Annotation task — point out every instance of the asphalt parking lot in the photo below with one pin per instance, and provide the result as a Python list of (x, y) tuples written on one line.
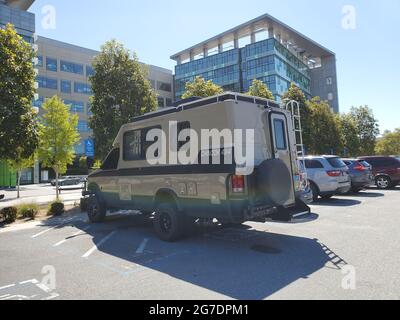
[(351, 251)]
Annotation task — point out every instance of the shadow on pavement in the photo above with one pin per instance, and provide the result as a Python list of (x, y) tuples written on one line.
[(365, 195), (337, 203), (239, 263)]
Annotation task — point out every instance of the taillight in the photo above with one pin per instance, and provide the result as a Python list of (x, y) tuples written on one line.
[(360, 168), (335, 173), (238, 184)]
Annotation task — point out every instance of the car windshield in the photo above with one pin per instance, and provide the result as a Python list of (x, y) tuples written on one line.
[(336, 162)]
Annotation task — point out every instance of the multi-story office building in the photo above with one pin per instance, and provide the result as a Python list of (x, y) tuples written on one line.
[(14, 11), (64, 70), (264, 49)]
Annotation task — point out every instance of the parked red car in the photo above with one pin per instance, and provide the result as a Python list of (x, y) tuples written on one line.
[(386, 171)]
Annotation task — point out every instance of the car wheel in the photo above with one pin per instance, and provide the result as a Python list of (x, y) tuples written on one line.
[(383, 182), (315, 191), (168, 222), (96, 210)]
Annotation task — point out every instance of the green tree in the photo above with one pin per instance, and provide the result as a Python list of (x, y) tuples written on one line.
[(57, 137), (19, 164), (260, 89), (296, 94), (324, 128), (83, 162), (121, 92), (351, 139), (18, 130), (367, 128), (201, 88), (389, 143)]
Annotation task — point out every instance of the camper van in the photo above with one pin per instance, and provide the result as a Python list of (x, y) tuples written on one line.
[(245, 174)]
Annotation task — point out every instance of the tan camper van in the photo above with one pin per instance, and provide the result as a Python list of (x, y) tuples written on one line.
[(177, 195)]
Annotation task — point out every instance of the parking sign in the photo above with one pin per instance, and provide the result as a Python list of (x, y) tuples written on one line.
[(89, 147)]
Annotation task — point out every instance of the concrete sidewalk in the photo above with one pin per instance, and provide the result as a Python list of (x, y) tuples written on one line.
[(39, 194)]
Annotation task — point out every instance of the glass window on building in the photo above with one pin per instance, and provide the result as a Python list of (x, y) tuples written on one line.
[(164, 86), (39, 102), (329, 81), (160, 102), (82, 88), (71, 67), (89, 109), (83, 126), (80, 149), (89, 71), (51, 64), (66, 86), (76, 106), (47, 83), (330, 96), (40, 61), (168, 102)]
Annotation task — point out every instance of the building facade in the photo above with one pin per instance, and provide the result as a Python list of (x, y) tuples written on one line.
[(264, 49), (15, 12), (64, 70)]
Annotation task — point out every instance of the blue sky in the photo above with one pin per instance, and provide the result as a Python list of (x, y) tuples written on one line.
[(367, 56)]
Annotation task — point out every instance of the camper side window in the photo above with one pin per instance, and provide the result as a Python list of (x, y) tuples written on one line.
[(133, 145), (136, 144), (111, 162)]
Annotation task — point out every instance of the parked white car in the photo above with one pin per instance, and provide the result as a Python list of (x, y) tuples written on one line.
[(328, 175)]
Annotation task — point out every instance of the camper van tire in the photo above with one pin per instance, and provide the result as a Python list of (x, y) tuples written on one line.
[(274, 180), (96, 209), (169, 223)]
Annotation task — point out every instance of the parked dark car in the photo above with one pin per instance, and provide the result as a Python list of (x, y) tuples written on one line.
[(67, 181), (386, 171), (360, 173)]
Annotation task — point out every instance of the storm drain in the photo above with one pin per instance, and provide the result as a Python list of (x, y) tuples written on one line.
[(265, 249)]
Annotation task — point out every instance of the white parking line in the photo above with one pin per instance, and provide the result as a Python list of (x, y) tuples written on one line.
[(72, 236), (9, 286), (142, 246), (33, 281), (96, 246), (52, 228), (43, 232)]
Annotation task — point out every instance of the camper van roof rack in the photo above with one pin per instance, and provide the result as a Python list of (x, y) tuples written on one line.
[(201, 102)]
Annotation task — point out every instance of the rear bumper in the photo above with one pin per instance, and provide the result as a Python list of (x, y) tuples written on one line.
[(344, 188), (362, 181)]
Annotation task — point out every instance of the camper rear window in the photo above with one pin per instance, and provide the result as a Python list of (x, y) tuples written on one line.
[(280, 137), (135, 144)]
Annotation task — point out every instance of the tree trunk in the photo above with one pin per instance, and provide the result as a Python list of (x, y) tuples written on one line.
[(57, 188)]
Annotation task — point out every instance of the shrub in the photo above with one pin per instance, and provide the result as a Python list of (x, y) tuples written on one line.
[(56, 208), (9, 215), (28, 211), (84, 204)]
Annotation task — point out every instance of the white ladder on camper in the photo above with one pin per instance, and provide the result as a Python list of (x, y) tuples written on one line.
[(294, 107)]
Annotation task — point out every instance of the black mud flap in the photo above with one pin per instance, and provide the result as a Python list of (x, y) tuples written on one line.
[(299, 212)]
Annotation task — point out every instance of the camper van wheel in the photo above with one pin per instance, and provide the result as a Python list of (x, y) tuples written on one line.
[(168, 222), (96, 210)]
